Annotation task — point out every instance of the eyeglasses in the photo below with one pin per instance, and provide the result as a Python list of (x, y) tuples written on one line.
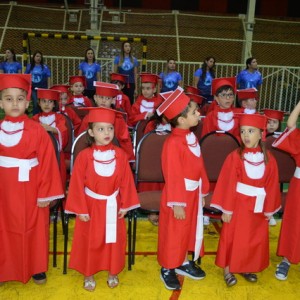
[(224, 95)]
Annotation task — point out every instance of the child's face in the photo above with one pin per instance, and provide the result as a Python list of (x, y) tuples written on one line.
[(13, 102), (104, 101), (272, 125), (148, 89), (249, 103), (63, 98), (250, 136), (120, 84), (192, 117), (103, 133), (77, 88), (225, 98), (46, 105)]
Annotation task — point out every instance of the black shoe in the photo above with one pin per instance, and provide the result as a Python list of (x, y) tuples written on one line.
[(39, 278), (169, 278), (191, 270)]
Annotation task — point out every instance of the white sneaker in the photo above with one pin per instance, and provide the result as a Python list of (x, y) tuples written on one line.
[(206, 220), (272, 222)]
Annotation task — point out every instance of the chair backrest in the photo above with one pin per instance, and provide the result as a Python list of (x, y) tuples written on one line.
[(139, 133), (55, 145), (148, 157), (81, 143), (286, 164), (80, 112), (70, 129), (215, 147)]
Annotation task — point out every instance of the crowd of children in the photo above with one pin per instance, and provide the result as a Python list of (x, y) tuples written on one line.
[(101, 189)]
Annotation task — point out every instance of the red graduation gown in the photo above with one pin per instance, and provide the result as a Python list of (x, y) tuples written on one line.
[(289, 239), (24, 227), (177, 237), (90, 254), (244, 242), (138, 112)]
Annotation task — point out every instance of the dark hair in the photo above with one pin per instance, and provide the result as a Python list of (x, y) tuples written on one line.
[(56, 104), (174, 121), (32, 63), (85, 54), (13, 53), (224, 88), (211, 70), (248, 61), (90, 140), (122, 54)]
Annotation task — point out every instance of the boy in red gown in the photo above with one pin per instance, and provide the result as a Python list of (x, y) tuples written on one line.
[(77, 86), (30, 180)]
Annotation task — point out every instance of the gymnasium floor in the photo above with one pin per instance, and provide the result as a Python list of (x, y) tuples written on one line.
[(143, 281)]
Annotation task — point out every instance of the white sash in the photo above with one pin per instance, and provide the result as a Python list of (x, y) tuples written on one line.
[(191, 185), (297, 173), (111, 213), (253, 191), (24, 165)]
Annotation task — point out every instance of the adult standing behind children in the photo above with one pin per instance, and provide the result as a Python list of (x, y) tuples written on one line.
[(249, 77), (127, 64), (101, 192), (247, 193), (170, 78), (91, 70), (30, 180), (10, 65), (289, 239), (181, 217), (40, 76), (203, 78)]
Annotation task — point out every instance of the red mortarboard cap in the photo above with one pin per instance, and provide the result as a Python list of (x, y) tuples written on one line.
[(63, 88), (218, 82), (106, 89), (247, 94), (196, 98), (148, 77), (119, 77), (175, 102), (191, 90), (48, 94), (273, 114), (101, 114), (20, 81), (254, 120), (74, 79)]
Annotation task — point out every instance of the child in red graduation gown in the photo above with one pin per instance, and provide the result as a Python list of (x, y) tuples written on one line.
[(29, 182), (77, 86), (181, 215), (289, 239), (247, 192), (101, 192), (222, 115), (53, 122)]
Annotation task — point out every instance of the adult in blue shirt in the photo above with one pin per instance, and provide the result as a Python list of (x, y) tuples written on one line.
[(203, 78), (249, 77), (170, 79), (91, 70), (40, 77), (10, 65), (127, 64)]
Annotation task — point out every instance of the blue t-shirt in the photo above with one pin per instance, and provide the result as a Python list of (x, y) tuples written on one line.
[(10, 67), (90, 72), (127, 67), (39, 76), (247, 80), (204, 85), (170, 81)]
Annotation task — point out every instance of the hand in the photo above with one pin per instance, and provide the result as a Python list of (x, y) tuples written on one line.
[(84, 218), (122, 214), (226, 218), (179, 212), (203, 201), (43, 203), (149, 115)]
